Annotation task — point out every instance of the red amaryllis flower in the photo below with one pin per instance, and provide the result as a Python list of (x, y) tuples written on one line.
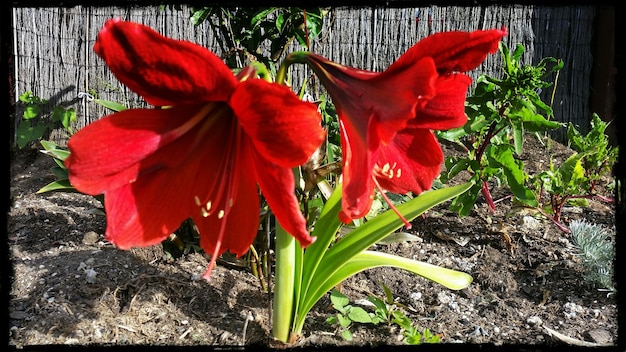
[(386, 118), (201, 156)]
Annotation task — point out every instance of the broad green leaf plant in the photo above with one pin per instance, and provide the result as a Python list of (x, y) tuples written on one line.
[(385, 312), (578, 178), (35, 121), (500, 113)]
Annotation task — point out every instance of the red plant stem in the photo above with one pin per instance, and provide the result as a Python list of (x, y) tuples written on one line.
[(485, 191), (483, 145), (595, 196), (555, 221)]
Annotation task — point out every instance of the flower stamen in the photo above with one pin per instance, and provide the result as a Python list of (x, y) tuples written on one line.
[(389, 171), (227, 188), (391, 206)]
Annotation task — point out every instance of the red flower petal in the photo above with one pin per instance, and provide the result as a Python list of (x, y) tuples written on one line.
[(283, 129), (163, 71), (240, 221), (365, 97), (214, 184), (452, 51), (447, 109), (107, 153), (385, 118), (278, 184), (357, 164), (410, 163)]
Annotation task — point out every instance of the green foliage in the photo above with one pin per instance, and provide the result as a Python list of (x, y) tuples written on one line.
[(576, 180), (599, 155), (597, 252), (500, 112), (347, 314), (35, 123), (241, 32), (59, 170), (385, 312), (306, 275)]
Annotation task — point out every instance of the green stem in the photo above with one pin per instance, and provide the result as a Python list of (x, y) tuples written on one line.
[(283, 306), (288, 256), (292, 58), (261, 70)]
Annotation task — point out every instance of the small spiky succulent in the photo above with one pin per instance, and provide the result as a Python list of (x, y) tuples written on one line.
[(597, 252)]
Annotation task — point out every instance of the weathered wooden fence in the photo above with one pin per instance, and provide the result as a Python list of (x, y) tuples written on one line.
[(54, 55)]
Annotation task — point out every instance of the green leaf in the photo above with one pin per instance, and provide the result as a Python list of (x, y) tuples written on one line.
[(517, 54), (518, 136), (359, 315), (402, 320), (55, 151), (31, 111), (27, 133), (413, 339), (59, 172), (344, 321), (388, 294), (325, 230), (65, 116), (346, 335), (59, 154), (327, 268), (280, 20), (339, 300), (59, 185), (464, 203), (261, 15), (376, 229), (572, 171), (429, 337), (514, 172), (48, 145), (452, 279), (455, 165), (379, 303), (200, 16), (367, 260), (111, 105), (533, 122)]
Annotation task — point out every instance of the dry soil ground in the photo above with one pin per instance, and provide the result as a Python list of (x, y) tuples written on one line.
[(71, 287)]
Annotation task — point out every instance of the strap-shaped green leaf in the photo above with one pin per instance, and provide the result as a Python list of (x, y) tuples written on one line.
[(334, 263), (60, 185)]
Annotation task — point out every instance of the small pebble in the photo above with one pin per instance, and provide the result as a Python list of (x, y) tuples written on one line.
[(443, 297), (600, 336), (534, 321), (91, 237), (530, 222)]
